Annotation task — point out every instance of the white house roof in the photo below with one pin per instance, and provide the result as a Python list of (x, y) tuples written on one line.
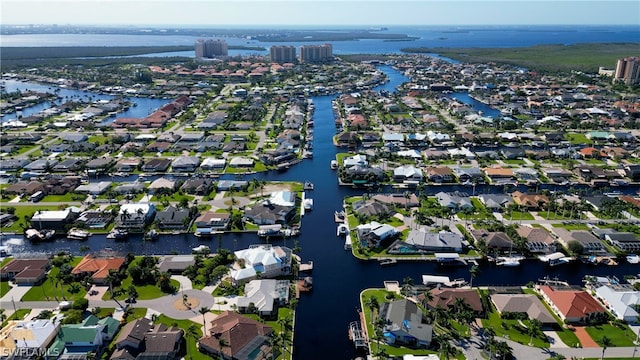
[(355, 160), (409, 153), (620, 302), (133, 208), (212, 162), (33, 334), (57, 215), (407, 171)]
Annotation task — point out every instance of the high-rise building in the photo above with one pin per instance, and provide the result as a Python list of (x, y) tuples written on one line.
[(628, 70), (316, 53), (283, 54), (211, 48)]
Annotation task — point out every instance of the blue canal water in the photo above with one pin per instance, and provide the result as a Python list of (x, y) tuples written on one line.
[(323, 315), (142, 106)]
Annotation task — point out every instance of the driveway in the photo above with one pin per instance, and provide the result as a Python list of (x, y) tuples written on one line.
[(585, 339)]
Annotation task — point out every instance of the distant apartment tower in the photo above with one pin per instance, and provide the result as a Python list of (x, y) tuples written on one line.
[(211, 48), (628, 70), (316, 53), (283, 54)]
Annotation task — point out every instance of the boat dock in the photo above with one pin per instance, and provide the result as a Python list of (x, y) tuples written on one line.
[(304, 285), (356, 333), (307, 267)]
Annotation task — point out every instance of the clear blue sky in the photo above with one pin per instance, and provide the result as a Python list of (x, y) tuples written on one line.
[(320, 12)]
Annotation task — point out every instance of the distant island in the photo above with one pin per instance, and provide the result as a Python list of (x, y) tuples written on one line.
[(263, 35)]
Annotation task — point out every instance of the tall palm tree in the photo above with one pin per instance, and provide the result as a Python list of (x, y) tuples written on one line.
[(534, 328), (203, 311), (407, 285), (372, 303), (473, 272), (192, 332), (605, 342), (223, 343), (445, 347)]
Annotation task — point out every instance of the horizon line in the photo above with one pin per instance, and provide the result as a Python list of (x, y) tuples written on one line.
[(271, 26)]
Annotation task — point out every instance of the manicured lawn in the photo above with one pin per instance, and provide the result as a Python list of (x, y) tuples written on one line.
[(145, 292), (68, 197), (513, 161), (512, 329), (28, 211), (4, 288), (518, 215), (577, 138), (380, 295), (619, 336), (555, 216), (571, 226), (104, 312), (50, 289), (567, 336)]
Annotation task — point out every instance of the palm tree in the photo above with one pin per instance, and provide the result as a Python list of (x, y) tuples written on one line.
[(605, 342), (203, 311), (407, 285), (285, 324), (223, 343), (192, 332), (534, 328), (473, 272), (428, 297), (446, 348), (372, 303)]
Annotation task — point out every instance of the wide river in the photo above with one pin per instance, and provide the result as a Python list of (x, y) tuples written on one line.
[(323, 315)]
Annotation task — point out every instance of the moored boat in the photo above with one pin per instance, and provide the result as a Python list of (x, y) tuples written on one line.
[(118, 234), (78, 234), (342, 230), (633, 259), (308, 185), (334, 164), (39, 235)]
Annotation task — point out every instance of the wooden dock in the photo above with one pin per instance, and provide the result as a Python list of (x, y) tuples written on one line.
[(304, 285), (306, 267)]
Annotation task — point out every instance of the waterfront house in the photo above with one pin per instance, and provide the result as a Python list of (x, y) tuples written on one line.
[(267, 213), (446, 298), (266, 295), (97, 267), (172, 218), (494, 240), (424, 241), (163, 183), (404, 325), (495, 202), (156, 165), (99, 165), (53, 219), (620, 300), (439, 174), (407, 173), (590, 243), (136, 216), (26, 271), (197, 186), (266, 260), (12, 164), (371, 208), (626, 241), (573, 306), (538, 239), (498, 175), (127, 165), (233, 336), (411, 200), (454, 201), (210, 222), (213, 164), (94, 219), (41, 165), (226, 185), (129, 188), (530, 201), (355, 160), (374, 233), (471, 174), (528, 304), (185, 164), (68, 165), (241, 162)]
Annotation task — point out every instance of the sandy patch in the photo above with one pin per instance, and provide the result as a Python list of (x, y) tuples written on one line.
[(191, 304)]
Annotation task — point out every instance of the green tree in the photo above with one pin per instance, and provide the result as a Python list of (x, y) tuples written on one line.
[(473, 272), (192, 333), (203, 311), (605, 342), (372, 303)]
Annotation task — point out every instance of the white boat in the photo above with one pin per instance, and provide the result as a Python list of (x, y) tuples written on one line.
[(633, 259), (118, 234), (334, 164), (151, 235), (342, 230), (308, 204), (78, 234), (39, 235), (201, 248), (508, 261), (308, 185)]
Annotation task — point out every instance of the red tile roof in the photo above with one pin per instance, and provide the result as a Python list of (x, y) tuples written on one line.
[(572, 303)]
